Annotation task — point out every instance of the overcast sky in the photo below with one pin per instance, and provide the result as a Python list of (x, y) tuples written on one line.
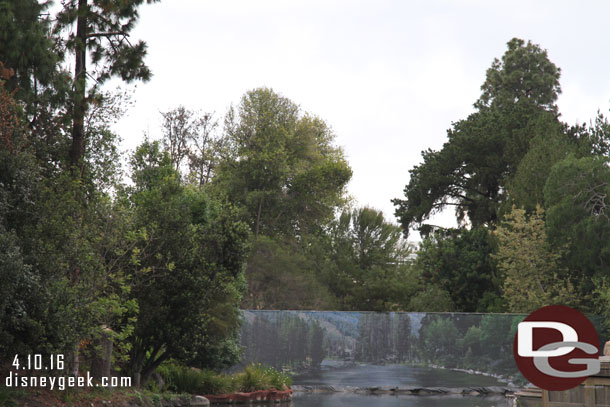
[(388, 76)]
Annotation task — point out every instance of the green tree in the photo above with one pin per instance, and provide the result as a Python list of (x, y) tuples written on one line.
[(179, 126), (549, 146), (458, 262), (191, 136), (280, 275), (431, 298), (102, 33), (533, 275), (58, 247), (284, 170), (524, 75), (366, 267), (595, 138), (27, 48), (17, 321), (472, 170), (577, 217), (190, 257)]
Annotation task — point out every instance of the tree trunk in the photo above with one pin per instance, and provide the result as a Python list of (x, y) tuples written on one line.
[(80, 87), (150, 368), (258, 216), (76, 360), (101, 362)]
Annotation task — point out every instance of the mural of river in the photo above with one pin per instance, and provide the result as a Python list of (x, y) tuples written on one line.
[(355, 400), (349, 350), (307, 340), (393, 375), (333, 353)]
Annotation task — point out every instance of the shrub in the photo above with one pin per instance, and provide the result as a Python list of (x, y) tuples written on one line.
[(277, 379), (260, 377), (254, 377), (179, 378)]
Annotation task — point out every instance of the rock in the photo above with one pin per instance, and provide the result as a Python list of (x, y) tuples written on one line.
[(199, 401), (101, 362), (607, 349), (158, 381)]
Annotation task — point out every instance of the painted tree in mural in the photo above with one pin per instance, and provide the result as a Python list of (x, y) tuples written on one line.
[(316, 343), (375, 342), (440, 341), (283, 339), (402, 336)]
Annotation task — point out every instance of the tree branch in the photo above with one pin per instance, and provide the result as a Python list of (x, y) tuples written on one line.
[(108, 34)]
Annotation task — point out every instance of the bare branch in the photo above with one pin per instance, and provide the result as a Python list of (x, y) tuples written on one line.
[(108, 34)]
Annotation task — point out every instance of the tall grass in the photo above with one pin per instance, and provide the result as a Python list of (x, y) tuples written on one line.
[(254, 377)]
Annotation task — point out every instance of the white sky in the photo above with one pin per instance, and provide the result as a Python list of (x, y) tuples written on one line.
[(388, 76)]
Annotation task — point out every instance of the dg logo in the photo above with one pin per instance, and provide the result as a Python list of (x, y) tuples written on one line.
[(556, 348)]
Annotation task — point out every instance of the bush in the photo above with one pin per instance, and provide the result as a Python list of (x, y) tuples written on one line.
[(254, 377), (260, 377), (184, 379), (215, 383), (277, 379)]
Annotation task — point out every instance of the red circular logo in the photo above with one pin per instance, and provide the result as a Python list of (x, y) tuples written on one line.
[(556, 348)]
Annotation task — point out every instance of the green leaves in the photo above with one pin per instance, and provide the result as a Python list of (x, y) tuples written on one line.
[(524, 75), (190, 258), (577, 216), (458, 263), (533, 272), (473, 169), (108, 26), (285, 171), (367, 268)]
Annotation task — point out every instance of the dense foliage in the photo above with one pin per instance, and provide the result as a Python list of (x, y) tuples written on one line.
[(472, 170), (207, 218), (153, 261), (529, 194), (254, 212), (254, 377)]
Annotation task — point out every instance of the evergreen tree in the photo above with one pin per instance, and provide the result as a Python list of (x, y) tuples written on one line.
[(102, 32), (472, 170)]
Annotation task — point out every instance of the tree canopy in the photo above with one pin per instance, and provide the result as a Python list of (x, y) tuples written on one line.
[(102, 33), (284, 171), (187, 245), (250, 209), (472, 170)]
